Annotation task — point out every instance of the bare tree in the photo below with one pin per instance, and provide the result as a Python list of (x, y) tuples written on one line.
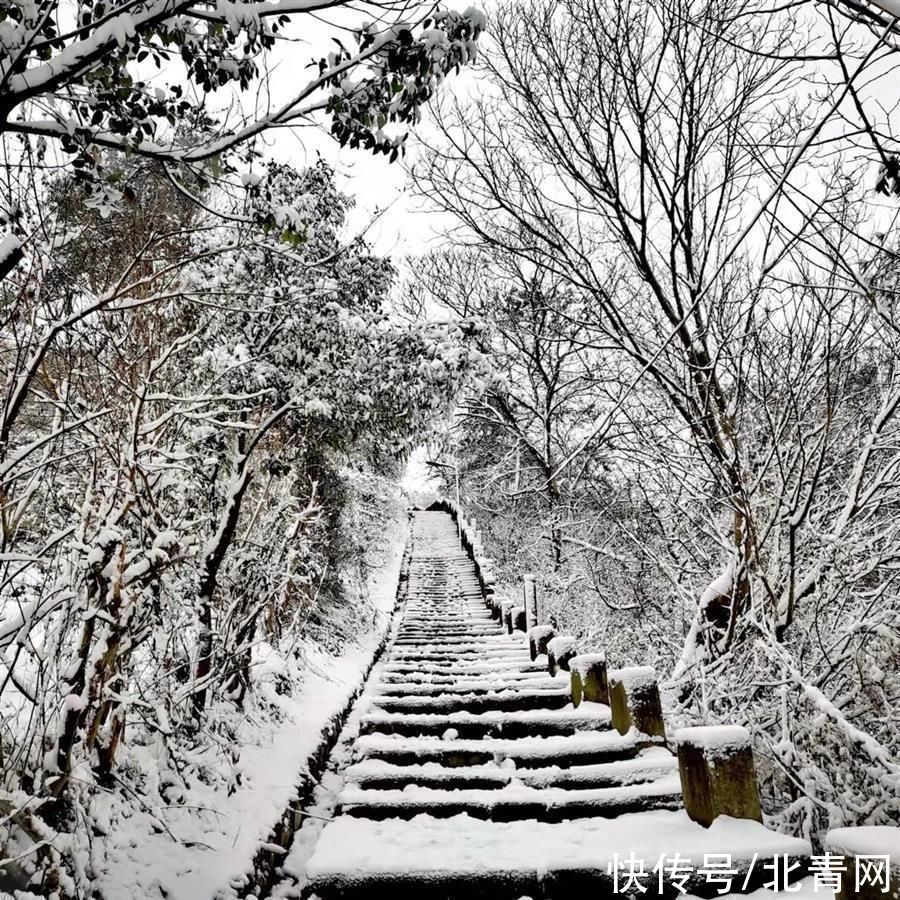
[(665, 162)]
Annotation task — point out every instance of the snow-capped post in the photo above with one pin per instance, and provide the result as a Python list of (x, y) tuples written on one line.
[(589, 678), (559, 651), (634, 701), (505, 607), (497, 609), (718, 775), (539, 636), (518, 618), (490, 580), (872, 842), (530, 592)]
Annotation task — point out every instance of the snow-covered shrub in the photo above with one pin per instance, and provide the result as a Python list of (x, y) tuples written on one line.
[(198, 444)]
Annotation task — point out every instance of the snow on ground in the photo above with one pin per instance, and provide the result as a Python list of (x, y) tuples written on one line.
[(202, 845), (867, 840)]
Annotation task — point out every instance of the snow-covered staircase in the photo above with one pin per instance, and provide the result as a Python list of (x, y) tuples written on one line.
[(472, 774)]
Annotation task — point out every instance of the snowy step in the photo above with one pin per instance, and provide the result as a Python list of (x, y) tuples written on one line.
[(434, 587), (435, 572), (418, 696), (584, 748), (469, 629), (439, 602), (484, 668), (468, 666), (447, 636), (487, 638), (467, 598), (529, 723), (427, 858), (460, 639), (411, 654), (486, 645), (513, 802), (433, 592), (651, 764), (459, 660), (464, 663), (507, 701), (447, 684), (425, 617), (443, 622), (492, 649)]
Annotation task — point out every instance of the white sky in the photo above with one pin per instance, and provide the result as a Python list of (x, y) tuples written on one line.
[(419, 478), (405, 226)]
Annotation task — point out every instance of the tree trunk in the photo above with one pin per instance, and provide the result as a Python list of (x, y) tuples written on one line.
[(212, 563)]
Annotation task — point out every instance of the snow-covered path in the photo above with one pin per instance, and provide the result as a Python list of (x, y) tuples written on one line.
[(470, 773)]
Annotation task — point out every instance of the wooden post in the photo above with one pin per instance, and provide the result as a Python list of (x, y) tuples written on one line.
[(490, 580), (634, 701), (559, 651), (718, 776), (867, 841), (538, 638), (518, 618), (530, 591), (496, 609), (589, 680)]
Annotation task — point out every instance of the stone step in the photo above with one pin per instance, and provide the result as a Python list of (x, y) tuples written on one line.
[(443, 622), (450, 636), (448, 647), (505, 701), (494, 648), (539, 752), (481, 667), (537, 723), (517, 639), (451, 661), (447, 684), (430, 858), (648, 765), (513, 802)]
